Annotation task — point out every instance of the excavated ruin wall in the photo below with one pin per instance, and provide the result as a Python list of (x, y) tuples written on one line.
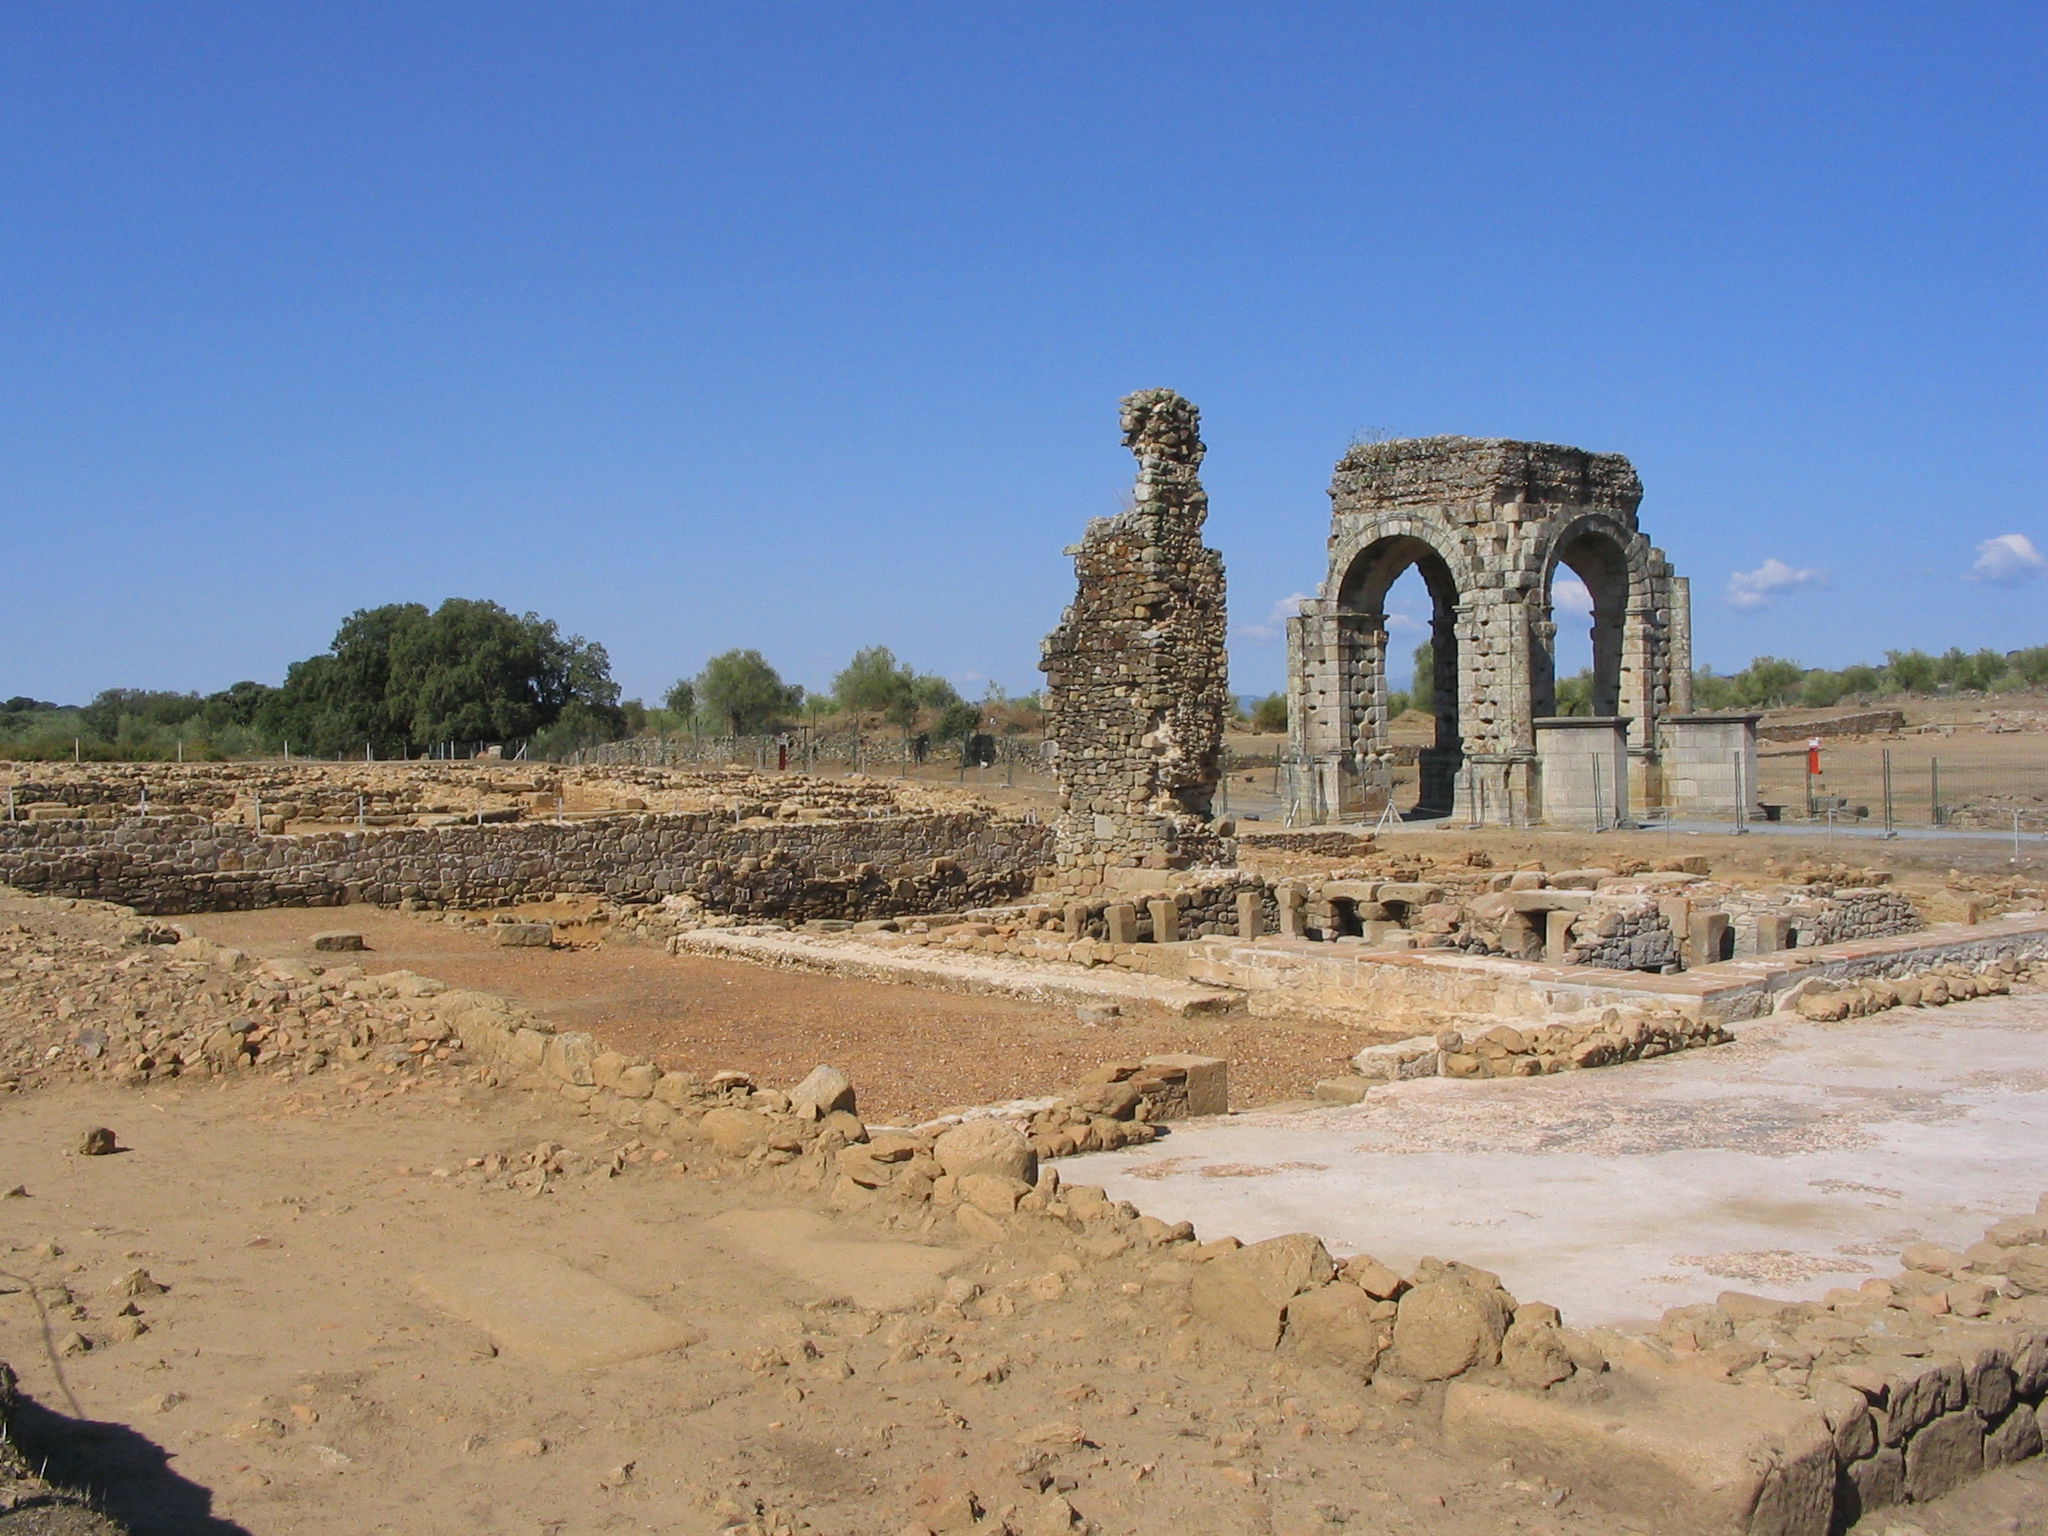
[(880, 867)]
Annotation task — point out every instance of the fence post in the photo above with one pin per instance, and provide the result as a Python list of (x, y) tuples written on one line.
[(1934, 791), (1889, 830), (1741, 798)]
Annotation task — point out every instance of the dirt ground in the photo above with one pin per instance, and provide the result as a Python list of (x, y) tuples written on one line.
[(913, 1054), (370, 1300), (294, 1376)]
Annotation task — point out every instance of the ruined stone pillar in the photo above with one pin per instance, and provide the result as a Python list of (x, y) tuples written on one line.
[(1135, 673), (1678, 646)]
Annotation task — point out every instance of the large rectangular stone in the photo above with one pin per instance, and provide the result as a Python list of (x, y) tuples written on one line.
[(1700, 1458), (535, 1306), (1208, 1081)]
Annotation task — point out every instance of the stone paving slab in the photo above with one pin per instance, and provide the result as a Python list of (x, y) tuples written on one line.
[(876, 1273), (1802, 1157), (983, 975), (536, 1306)]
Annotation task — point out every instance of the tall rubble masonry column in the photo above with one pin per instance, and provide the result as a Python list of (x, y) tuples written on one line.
[(1135, 674)]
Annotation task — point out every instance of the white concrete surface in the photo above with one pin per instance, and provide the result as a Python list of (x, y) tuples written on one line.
[(1803, 1156)]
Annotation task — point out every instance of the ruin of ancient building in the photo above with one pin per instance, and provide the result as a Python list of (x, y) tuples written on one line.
[(1489, 523), (1135, 674)]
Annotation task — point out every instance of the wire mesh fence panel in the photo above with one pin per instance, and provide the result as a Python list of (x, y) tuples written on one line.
[(1890, 788)]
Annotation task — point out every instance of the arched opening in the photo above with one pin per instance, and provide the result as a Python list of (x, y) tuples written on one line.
[(1573, 670), (1371, 674)]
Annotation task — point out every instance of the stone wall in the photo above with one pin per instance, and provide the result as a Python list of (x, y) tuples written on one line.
[(1871, 722), (1632, 937), (1135, 673), (878, 867)]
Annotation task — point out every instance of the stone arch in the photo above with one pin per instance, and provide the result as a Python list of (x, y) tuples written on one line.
[(1618, 567), (1362, 577), (1597, 553), (1489, 520)]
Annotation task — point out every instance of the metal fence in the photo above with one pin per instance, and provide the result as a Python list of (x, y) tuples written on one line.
[(1889, 789)]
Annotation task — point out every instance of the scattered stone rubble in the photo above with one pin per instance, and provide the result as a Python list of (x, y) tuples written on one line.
[(1135, 673), (1594, 1037)]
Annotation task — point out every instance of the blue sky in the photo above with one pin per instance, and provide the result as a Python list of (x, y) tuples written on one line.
[(802, 326)]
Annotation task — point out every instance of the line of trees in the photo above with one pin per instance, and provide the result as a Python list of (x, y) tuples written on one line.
[(1768, 682), (739, 693), (398, 681)]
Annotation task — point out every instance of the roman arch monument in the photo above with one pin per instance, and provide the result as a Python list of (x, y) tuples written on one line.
[(1492, 525)]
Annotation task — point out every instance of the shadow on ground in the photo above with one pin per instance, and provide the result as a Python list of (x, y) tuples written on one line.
[(124, 1474)]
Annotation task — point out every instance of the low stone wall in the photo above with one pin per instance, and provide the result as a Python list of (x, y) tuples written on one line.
[(1309, 843), (1872, 913), (1635, 937), (1596, 1037), (1871, 722), (878, 867)]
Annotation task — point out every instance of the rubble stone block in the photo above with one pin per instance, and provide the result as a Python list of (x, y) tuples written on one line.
[(1207, 1079), (1944, 1454), (1246, 1293), (1446, 1326), (1710, 1459)]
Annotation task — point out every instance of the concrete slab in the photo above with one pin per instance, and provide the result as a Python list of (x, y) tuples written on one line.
[(1804, 1156), (535, 1306), (875, 1273)]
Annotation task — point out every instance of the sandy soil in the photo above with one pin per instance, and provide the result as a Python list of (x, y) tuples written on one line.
[(295, 1377), (912, 1053)]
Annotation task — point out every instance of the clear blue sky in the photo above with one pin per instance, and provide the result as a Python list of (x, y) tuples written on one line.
[(803, 326)]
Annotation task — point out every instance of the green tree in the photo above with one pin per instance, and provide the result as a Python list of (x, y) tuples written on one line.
[(741, 689), (400, 678), (934, 692), (1821, 689), (1861, 679), (1768, 681), (956, 722), (1575, 694), (1270, 713), (1911, 671), (1423, 695), (2031, 665), (874, 683), (681, 698)]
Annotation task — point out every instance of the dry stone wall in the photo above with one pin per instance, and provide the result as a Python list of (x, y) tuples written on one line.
[(878, 867), (1135, 673)]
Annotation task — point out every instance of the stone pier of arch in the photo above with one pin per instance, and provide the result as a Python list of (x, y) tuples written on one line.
[(1488, 522)]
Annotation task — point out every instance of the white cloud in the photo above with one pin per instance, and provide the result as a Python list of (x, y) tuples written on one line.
[(1274, 625), (1404, 624), (1752, 589), (1570, 595), (2008, 560)]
